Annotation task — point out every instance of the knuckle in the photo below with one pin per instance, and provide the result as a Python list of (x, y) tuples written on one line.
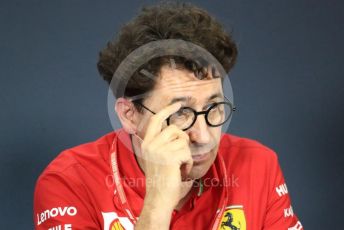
[(187, 141), (173, 127), (152, 118), (181, 143), (185, 136)]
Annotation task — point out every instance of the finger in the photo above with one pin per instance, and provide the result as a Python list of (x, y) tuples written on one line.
[(171, 151), (183, 153), (157, 120), (176, 145), (185, 169), (168, 135)]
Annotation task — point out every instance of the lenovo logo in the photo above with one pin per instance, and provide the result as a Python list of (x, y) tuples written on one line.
[(59, 211)]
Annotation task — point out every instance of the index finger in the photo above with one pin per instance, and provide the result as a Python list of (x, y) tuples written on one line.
[(156, 121)]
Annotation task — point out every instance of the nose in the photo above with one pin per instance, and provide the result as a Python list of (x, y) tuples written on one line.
[(199, 132)]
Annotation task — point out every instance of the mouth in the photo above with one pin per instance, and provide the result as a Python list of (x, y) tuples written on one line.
[(199, 158)]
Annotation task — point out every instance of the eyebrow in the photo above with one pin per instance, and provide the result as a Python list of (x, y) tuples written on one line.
[(188, 98)]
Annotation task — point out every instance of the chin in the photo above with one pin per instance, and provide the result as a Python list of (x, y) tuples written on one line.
[(199, 169), (196, 174)]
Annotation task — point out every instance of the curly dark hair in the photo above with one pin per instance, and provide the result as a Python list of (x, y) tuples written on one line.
[(166, 20)]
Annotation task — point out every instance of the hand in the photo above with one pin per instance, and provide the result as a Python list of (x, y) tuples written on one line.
[(167, 159)]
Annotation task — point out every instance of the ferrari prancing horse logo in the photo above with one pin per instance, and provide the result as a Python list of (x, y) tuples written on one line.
[(233, 218)]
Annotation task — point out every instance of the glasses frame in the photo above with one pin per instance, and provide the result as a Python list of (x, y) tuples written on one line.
[(196, 113)]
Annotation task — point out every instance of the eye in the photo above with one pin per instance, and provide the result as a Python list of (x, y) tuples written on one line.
[(183, 111), (180, 112), (210, 105)]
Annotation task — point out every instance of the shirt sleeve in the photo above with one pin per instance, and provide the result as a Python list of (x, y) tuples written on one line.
[(61, 204), (279, 213)]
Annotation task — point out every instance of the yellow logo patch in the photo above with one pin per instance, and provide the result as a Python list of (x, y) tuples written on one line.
[(233, 218), (116, 225)]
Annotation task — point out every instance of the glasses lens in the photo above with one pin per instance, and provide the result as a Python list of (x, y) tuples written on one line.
[(219, 114), (183, 118)]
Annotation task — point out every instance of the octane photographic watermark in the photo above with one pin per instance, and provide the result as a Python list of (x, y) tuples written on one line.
[(231, 181)]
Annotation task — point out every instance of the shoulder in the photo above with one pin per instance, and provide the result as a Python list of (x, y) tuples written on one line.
[(78, 157), (246, 151)]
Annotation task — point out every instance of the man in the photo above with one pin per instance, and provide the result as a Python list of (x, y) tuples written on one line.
[(170, 166)]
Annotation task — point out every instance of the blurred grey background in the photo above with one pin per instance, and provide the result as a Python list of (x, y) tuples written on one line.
[(288, 87)]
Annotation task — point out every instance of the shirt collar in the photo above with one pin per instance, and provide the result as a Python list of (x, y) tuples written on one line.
[(128, 167)]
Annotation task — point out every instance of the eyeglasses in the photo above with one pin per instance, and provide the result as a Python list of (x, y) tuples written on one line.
[(216, 115)]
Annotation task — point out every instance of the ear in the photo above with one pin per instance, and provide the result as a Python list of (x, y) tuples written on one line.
[(126, 112)]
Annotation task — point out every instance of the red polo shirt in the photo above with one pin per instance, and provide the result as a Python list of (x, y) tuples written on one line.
[(243, 189)]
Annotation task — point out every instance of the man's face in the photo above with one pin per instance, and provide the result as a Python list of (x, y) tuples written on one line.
[(180, 85)]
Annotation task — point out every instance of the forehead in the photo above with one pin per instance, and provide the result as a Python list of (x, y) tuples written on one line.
[(174, 82)]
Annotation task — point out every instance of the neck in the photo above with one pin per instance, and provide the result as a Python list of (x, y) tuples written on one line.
[(137, 152)]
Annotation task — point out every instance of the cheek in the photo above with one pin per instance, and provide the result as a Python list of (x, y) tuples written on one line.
[(216, 138), (142, 124), (216, 134)]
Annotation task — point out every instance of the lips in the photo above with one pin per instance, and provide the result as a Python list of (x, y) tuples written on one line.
[(197, 158)]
